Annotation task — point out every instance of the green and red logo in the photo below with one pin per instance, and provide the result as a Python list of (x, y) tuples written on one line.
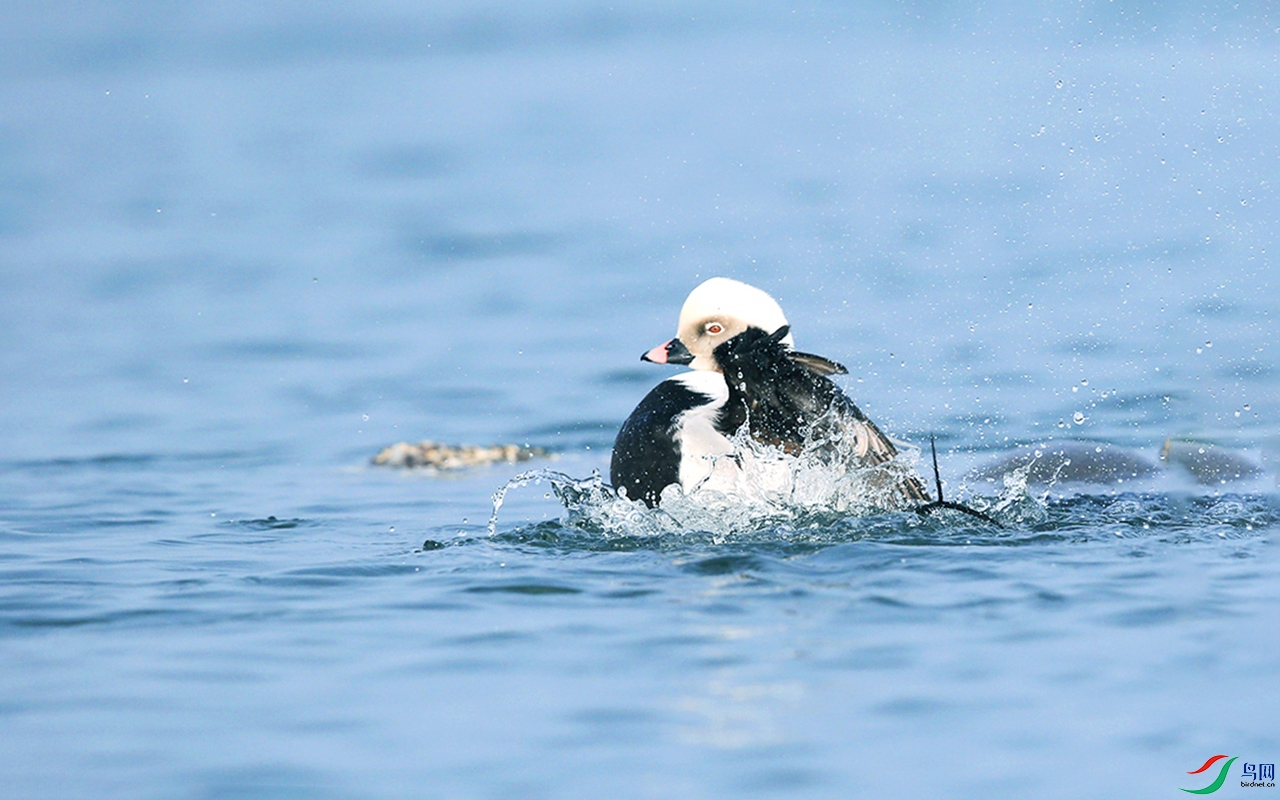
[(1218, 781)]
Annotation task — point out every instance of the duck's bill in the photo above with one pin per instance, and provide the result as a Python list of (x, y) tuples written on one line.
[(673, 352)]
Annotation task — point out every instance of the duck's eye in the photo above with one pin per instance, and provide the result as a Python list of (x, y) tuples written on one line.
[(715, 328)]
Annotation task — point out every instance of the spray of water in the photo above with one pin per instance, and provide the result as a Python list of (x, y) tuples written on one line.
[(755, 487)]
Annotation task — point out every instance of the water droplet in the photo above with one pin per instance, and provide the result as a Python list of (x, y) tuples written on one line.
[(1208, 344), (1078, 418), (393, 528), (1059, 84), (1084, 382), (1248, 407), (364, 417), (186, 380)]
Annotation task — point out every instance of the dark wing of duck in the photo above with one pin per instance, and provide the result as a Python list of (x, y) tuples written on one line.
[(646, 454), (788, 400)]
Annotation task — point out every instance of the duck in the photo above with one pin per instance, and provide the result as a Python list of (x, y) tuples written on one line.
[(745, 377)]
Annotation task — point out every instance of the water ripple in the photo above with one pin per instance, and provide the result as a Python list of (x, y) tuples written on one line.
[(524, 588)]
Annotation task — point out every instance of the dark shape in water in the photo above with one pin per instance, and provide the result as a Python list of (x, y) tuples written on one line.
[(1108, 464), (272, 523), (1207, 463), (1072, 462)]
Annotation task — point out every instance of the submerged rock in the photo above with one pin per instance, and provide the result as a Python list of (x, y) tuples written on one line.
[(436, 455)]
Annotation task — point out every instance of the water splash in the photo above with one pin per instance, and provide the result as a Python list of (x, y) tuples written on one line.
[(1015, 503), (754, 488), (760, 494)]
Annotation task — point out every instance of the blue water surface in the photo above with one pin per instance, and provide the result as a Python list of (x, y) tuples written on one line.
[(243, 246)]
